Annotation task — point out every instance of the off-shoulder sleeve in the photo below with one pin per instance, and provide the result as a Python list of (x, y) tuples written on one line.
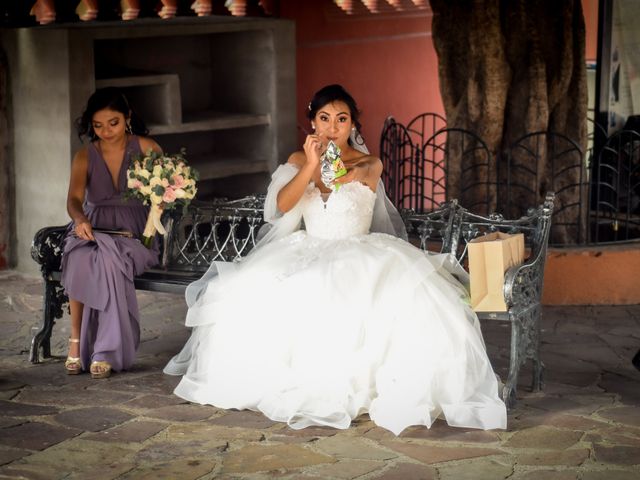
[(282, 176), (279, 224)]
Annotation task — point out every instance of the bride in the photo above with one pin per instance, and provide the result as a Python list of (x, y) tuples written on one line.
[(345, 317)]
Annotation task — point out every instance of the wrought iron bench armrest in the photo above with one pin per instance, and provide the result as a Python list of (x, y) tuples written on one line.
[(46, 248), (523, 283)]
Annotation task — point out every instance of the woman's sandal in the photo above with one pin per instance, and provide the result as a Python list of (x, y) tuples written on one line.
[(73, 365), (100, 369)]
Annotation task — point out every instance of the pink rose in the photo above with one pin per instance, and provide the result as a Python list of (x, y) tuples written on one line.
[(134, 184), (169, 195), (178, 181)]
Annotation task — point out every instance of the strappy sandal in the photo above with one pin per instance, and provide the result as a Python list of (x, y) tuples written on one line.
[(73, 365), (100, 369)]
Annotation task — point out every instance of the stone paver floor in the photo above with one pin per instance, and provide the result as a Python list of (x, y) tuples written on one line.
[(584, 425)]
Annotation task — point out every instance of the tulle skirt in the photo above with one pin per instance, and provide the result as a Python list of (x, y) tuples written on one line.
[(316, 332)]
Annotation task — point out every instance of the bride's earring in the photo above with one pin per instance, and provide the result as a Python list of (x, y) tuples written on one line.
[(356, 137), (313, 127), (128, 126)]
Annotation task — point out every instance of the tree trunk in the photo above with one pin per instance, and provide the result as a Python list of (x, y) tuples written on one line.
[(509, 68)]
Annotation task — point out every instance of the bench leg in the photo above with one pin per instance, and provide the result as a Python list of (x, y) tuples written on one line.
[(538, 366), (509, 390), (525, 344), (53, 301), (538, 375)]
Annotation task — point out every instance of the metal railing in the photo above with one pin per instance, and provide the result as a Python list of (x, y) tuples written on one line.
[(597, 191)]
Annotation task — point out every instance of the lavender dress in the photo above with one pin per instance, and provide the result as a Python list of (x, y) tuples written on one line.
[(100, 274)]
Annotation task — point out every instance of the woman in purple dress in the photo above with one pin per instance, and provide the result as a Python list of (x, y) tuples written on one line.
[(98, 268)]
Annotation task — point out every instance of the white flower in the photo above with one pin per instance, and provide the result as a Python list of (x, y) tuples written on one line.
[(155, 181), (155, 199), (157, 170), (180, 193), (146, 190), (144, 173)]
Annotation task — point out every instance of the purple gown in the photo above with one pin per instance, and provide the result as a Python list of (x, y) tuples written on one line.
[(100, 274)]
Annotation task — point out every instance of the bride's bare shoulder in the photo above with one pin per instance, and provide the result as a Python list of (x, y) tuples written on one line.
[(373, 164), (297, 158), (376, 165)]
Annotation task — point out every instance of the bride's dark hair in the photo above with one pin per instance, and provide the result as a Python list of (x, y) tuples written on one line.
[(333, 93), (110, 98)]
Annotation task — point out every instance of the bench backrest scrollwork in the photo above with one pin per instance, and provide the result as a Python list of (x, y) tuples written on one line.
[(222, 230)]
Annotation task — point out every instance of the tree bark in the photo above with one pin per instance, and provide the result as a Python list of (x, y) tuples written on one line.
[(508, 68)]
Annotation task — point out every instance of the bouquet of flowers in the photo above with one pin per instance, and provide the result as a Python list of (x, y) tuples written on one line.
[(332, 166), (163, 182)]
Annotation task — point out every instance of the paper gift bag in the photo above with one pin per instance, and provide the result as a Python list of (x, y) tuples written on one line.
[(489, 257)]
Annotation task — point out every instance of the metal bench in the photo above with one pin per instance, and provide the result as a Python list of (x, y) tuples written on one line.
[(227, 230), (451, 227)]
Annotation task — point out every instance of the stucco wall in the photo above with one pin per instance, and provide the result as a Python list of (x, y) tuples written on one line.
[(38, 69), (7, 218), (603, 275), (387, 62)]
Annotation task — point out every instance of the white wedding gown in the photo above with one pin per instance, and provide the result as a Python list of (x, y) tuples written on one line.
[(325, 324)]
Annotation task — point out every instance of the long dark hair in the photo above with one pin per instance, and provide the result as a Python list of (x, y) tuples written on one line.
[(333, 93), (110, 98)]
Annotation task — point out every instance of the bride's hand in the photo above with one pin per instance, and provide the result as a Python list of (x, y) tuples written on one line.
[(313, 148), (357, 173)]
